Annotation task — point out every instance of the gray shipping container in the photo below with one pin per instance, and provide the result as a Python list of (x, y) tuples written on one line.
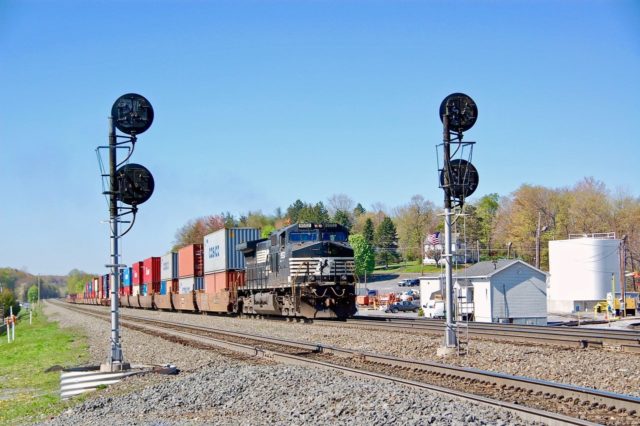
[(220, 252), (169, 266), (186, 285)]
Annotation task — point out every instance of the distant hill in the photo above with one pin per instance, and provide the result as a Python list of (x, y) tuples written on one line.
[(19, 282)]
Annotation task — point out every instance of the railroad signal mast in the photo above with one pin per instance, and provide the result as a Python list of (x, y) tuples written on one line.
[(130, 184), (459, 179)]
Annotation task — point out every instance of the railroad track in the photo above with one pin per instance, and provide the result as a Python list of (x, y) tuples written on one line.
[(623, 340), (537, 400)]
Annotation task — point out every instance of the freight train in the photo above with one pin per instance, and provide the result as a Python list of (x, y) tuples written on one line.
[(304, 270)]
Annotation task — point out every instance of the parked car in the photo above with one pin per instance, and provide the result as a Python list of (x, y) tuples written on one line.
[(409, 283), (404, 306), (434, 309)]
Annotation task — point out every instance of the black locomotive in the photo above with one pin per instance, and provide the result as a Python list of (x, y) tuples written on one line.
[(302, 270)]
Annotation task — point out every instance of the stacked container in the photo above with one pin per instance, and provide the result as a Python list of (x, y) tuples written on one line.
[(125, 281), (136, 277), (224, 267), (190, 268), (151, 275), (169, 273), (106, 286), (95, 287), (190, 277)]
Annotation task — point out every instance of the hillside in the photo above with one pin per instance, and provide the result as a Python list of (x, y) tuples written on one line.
[(19, 282)]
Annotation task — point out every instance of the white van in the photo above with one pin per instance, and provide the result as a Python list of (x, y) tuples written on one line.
[(434, 309)]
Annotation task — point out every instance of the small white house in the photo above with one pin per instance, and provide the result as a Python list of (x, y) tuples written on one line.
[(507, 291)]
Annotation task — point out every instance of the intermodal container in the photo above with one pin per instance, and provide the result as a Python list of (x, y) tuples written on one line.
[(151, 271), (135, 290), (106, 285), (126, 277), (188, 284), (223, 280), (137, 273), (144, 290), (163, 287), (96, 284), (220, 252), (169, 266), (190, 261)]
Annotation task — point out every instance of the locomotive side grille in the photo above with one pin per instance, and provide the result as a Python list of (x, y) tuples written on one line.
[(261, 256), (334, 266)]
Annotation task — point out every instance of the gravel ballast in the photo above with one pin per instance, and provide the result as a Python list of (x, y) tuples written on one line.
[(607, 370), (214, 388)]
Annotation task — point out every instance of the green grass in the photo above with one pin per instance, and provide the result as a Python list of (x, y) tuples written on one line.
[(411, 267), (27, 393)]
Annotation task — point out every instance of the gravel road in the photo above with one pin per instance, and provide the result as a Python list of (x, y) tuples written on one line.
[(216, 389)]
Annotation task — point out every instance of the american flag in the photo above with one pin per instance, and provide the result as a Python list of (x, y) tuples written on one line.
[(434, 239)]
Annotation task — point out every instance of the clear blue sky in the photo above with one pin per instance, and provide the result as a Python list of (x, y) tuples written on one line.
[(261, 103)]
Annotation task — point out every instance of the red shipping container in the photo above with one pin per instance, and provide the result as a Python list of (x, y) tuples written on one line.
[(136, 273), (191, 261), (151, 274), (224, 280)]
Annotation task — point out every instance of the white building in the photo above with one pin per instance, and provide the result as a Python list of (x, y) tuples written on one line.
[(507, 291), (582, 271)]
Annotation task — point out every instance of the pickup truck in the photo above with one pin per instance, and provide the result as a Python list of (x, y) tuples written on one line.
[(434, 309), (403, 306)]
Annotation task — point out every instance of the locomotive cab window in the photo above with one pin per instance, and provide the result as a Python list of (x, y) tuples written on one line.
[(303, 236), (334, 236)]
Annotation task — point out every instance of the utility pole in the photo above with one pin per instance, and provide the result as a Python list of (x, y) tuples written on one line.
[(623, 279), (538, 232)]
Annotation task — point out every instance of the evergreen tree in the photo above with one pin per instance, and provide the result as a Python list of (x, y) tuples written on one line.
[(386, 239), (343, 218), (368, 232), (293, 211), (358, 210)]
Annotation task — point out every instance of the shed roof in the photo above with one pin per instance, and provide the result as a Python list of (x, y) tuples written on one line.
[(487, 268)]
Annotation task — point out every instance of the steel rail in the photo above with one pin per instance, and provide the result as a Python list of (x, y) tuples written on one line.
[(588, 397), (628, 341)]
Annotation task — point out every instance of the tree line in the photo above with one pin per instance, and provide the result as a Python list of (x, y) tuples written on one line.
[(494, 225)]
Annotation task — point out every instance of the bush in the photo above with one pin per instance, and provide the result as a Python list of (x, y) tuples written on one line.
[(7, 299)]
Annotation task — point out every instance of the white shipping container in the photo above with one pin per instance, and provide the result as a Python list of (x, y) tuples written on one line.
[(185, 285), (169, 266), (220, 252)]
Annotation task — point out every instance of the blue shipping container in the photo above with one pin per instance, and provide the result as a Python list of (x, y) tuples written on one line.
[(105, 285), (199, 283), (143, 290), (163, 287), (126, 277)]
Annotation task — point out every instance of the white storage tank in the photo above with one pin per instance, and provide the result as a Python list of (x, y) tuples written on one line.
[(580, 271)]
